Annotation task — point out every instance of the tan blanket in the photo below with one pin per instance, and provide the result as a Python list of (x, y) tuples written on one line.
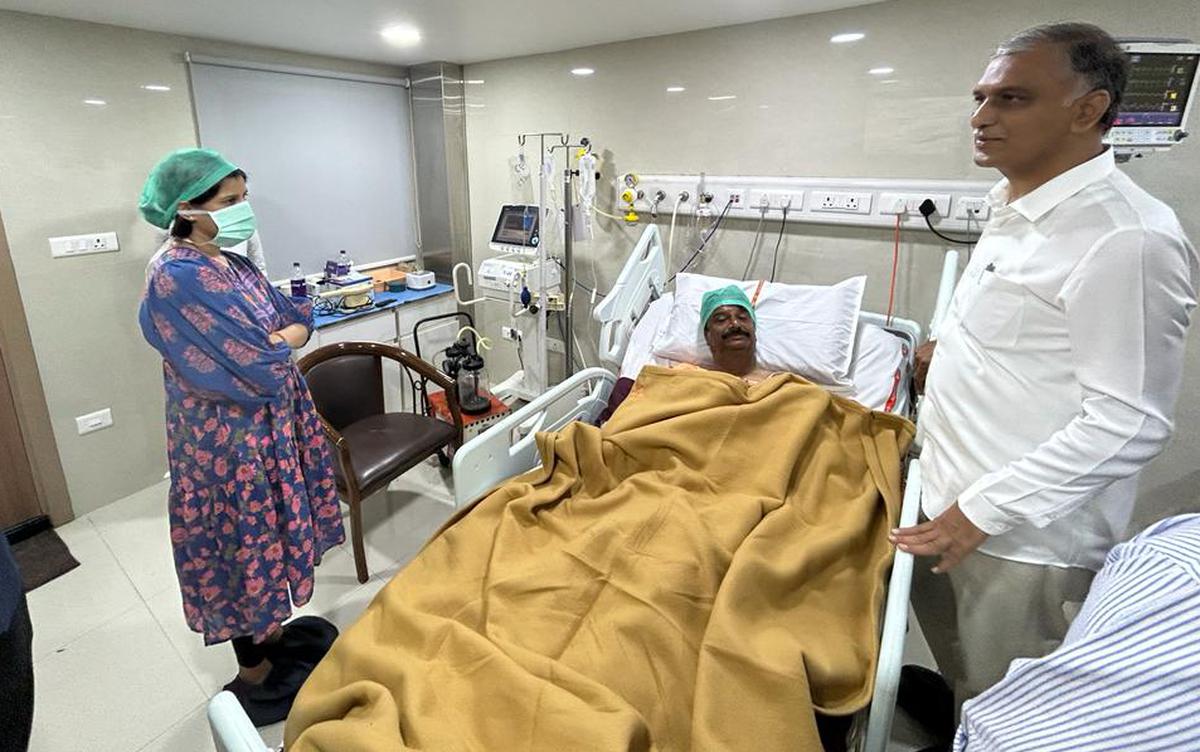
[(699, 574)]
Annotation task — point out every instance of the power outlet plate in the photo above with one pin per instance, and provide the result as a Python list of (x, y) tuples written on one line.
[(79, 245), (94, 421), (968, 207), (845, 203)]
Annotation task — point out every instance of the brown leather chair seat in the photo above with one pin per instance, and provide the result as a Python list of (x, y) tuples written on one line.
[(384, 445)]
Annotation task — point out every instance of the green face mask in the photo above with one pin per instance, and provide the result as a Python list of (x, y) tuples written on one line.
[(235, 224)]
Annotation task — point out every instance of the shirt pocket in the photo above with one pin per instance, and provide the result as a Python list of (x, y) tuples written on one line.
[(994, 315)]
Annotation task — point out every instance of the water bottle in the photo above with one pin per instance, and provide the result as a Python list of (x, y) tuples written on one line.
[(299, 286), (343, 266)]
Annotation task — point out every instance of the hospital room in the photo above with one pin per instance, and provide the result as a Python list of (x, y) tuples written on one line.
[(780, 375)]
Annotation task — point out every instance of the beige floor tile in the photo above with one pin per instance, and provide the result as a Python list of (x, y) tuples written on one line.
[(93, 593), (116, 688), (136, 530), (191, 734)]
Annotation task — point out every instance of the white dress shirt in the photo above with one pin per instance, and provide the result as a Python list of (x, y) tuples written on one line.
[(1126, 678), (1058, 366)]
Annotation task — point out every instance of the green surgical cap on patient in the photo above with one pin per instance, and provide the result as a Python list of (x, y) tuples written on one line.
[(181, 176), (728, 295)]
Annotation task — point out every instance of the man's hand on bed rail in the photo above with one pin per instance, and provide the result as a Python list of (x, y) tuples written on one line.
[(921, 360), (950, 535)]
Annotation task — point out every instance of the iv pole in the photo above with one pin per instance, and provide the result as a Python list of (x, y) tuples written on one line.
[(568, 262)]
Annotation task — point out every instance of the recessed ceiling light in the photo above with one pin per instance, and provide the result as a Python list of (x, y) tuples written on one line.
[(582, 71), (156, 87), (95, 102), (764, 107), (675, 89), (883, 71), (402, 35), (475, 81), (890, 81), (475, 106), (853, 36), (722, 98)]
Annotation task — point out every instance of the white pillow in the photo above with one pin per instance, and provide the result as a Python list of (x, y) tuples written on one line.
[(808, 330), (879, 370)]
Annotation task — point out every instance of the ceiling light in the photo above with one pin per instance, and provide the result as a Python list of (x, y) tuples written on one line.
[(582, 71), (853, 36), (156, 87), (675, 89), (475, 81), (884, 71), (402, 35), (95, 102), (722, 98), (890, 81)]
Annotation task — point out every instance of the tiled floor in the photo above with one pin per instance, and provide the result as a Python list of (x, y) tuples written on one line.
[(116, 668)]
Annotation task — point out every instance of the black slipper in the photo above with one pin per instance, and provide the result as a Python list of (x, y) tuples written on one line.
[(926, 697), (304, 642)]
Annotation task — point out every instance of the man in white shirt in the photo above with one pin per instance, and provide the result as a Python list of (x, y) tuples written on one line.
[(1057, 367)]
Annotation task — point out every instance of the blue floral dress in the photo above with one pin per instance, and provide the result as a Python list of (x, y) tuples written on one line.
[(253, 502)]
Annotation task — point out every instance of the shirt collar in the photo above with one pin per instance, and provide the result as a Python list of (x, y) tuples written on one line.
[(1033, 206)]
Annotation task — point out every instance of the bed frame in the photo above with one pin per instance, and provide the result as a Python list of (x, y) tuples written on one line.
[(508, 448)]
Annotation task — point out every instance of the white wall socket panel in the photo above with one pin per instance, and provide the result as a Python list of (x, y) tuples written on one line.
[(972, 208), (78, 245), (94, 421), (850, 203)]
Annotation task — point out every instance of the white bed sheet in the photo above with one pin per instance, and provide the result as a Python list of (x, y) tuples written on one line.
[(879, 373)]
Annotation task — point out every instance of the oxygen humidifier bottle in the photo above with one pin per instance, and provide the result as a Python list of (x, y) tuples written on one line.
[(299, 286), (343, 265)]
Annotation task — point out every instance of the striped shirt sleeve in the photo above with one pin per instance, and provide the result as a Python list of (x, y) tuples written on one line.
[(1127, 677)]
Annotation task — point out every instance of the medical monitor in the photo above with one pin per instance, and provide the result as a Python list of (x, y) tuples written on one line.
[(1159, 96), (516, 229)]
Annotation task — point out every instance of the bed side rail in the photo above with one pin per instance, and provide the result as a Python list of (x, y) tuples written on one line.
[(507, 448)]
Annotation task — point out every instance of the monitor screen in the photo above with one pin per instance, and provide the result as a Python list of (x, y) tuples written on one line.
[(1158, 89), (517, 225)]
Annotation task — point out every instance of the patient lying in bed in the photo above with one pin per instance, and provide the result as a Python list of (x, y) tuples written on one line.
[(701, 573), (729, 329)]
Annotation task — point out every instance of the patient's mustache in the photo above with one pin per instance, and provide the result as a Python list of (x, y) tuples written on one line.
[(737, 330)]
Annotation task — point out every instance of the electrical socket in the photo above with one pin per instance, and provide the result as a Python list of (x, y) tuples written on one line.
[(510, 333), (893, 203), (940, 200), (759, 201), (736, 198), (789, 201), (971, 207), (849, 203), (78, 245)]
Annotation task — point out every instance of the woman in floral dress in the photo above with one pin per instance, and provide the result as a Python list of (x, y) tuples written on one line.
[(253, 504)]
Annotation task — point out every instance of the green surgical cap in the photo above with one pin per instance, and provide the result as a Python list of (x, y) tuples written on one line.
[(729, 295), (181, 176)]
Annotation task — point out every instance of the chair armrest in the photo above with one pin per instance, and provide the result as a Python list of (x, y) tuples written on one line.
[(434, 374), (343, 450)]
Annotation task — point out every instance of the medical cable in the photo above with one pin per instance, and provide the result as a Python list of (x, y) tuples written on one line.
[(704, 241), (778, 240), (927, 208), (895, 268), (481, 342), (671, 235), (754, 245)]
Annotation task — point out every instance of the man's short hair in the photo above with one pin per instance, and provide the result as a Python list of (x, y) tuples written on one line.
[(1094, 55)]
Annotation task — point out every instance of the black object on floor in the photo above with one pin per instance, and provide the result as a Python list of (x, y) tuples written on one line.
[(926, 697), (41, 558), (304, 642)]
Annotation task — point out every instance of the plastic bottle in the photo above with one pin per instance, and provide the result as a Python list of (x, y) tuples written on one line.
[(343, 265), (299, 285)]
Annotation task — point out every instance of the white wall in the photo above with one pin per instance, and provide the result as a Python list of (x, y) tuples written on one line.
[(67, 168), (805, 107)]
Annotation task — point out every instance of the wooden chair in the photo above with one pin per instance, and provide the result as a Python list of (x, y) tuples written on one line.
[(374, 447)]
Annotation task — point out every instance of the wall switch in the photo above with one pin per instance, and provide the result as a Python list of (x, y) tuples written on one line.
[(969, 207), (78, 245), (94, 421)]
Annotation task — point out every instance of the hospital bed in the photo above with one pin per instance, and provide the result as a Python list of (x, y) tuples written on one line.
[(508, 449)]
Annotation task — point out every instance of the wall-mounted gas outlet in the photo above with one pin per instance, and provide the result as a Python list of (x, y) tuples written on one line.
[(78, 245), (968, 207), (94, 421), (850, 203)]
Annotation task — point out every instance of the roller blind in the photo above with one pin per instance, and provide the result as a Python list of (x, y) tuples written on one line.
[(329, 159)]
